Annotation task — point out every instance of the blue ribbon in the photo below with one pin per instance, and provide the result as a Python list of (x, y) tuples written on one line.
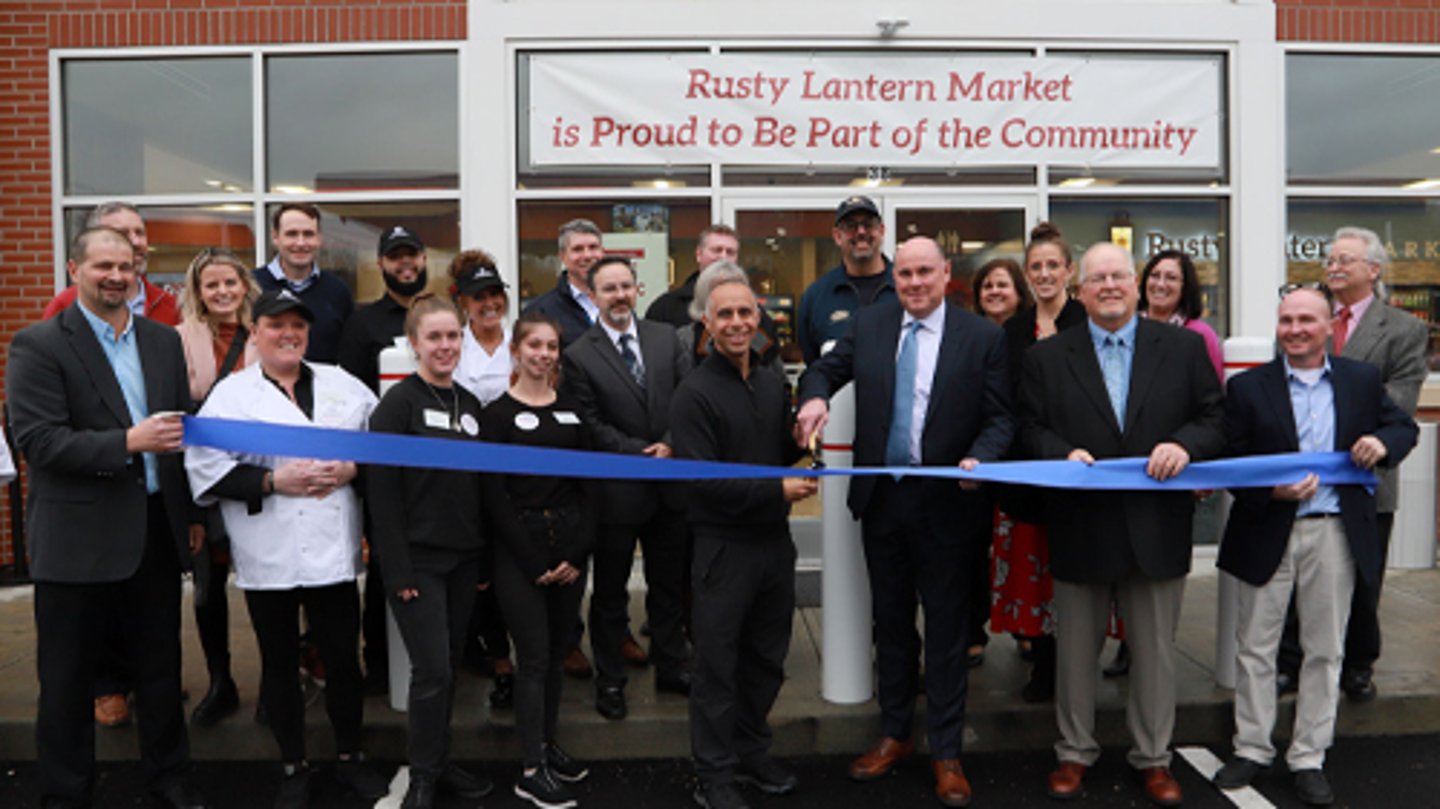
[(323, 443)]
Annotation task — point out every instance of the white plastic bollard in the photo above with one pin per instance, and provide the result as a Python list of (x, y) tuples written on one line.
[(396, 363), (847, 675), (1241, 353), (1412, 544)]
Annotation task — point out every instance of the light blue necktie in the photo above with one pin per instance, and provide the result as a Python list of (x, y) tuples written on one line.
[(897, 445), (1112, 365)]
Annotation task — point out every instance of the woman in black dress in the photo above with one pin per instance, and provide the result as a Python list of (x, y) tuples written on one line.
[(546, 531)]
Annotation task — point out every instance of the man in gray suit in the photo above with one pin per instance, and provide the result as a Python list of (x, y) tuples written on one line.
[(622, 373), (96, 396), (1370, 330)]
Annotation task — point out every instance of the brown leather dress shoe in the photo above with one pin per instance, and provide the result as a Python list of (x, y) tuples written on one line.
[(577, 665), (1067, 781), (880, 759), (1160, 786), (111, 711), (951, 786), (633, 654)]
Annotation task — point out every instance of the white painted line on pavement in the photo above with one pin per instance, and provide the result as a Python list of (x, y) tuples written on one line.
[(1207, 764), (398, 786)]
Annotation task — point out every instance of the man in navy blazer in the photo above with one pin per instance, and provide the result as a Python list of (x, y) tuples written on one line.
[(918, 532), (95, 396), (1304, 537), (1121, 386)]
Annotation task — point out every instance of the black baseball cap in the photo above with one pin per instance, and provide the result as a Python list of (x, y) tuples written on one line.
[(478, 280), (854, 204), (399, 236), (279, 301)]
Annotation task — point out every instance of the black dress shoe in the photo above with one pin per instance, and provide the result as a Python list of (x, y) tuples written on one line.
[(1312, 788), (502, 696), (1238, 772), (610, 701), (1286, 683), (1357, 685), (421, 792), (677, 683), (219, 702), (178, 795)]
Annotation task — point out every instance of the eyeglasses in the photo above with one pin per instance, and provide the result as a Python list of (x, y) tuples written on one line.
[(1344, 260), (852, 225), (1311, 285)]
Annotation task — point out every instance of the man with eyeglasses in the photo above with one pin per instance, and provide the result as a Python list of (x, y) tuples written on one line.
[(146, 299), (863, 277), (1315, 542), (1367, 329), (1122, 387)]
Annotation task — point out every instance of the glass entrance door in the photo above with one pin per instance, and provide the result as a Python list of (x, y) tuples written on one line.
[(787, 242)]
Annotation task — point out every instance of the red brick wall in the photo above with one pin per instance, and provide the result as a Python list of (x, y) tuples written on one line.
[(1388, 21), (29, 29)]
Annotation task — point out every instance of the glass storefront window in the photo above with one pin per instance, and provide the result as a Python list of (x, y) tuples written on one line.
[(659, 235), (157, 126), (1149, 225), (1358, 119), (362, 122), (1408, 227)]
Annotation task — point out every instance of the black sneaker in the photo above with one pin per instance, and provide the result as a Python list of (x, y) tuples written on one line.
[(1312, 788), (464, 784), (421, 792), (357, 776), (542, 788), (1238, 772), (768, 776), (294, 792), (563, 766), (720, 796)]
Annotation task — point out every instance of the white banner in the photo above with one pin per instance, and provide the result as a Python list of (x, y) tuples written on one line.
[(1151, 111)]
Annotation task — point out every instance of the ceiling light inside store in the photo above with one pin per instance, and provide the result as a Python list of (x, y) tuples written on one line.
[(971, 247), (1088, 182), (293, 189), (871, 182), (1423, 185), (658, 184), (1436, 150)]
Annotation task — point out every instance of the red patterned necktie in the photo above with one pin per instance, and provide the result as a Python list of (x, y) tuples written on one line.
[(1342, 328)]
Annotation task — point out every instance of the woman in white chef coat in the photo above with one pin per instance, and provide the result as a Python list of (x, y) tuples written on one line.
[(294, 526)]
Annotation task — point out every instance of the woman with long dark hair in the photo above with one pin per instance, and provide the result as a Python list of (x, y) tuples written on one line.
[(547, 529)]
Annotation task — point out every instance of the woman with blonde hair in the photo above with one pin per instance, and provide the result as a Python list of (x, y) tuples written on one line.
[(214, 332)]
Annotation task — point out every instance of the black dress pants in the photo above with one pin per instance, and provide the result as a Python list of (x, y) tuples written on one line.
[(918, 552), (662, 544), (743, 612), (71, 623), (334, 615)]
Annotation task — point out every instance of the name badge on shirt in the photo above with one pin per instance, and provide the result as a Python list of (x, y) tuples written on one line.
[(566, 417), (438, 420)]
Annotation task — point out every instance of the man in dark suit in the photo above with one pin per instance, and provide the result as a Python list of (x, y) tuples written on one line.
[(569, 302), (1396, 343), (96, 395), (930, 390), (1317, 541), (295, 234), (1120, 387), (622, 372)]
